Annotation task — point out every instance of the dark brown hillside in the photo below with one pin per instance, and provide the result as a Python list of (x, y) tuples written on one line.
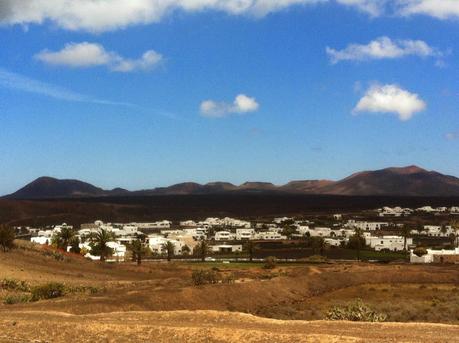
[(408, 181), (306, 186), (48, 187)]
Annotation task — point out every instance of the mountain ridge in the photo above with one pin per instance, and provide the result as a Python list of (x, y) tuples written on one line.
[(401, 181)]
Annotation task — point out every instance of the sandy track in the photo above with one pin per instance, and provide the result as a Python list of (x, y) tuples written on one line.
[(205, 326)]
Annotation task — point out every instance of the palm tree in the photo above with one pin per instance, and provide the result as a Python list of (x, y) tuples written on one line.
[(250, 246), (202, 249), (419, 227), (138, 250), (455, 228), (405, 233), (63, 238), (169, 247), (357, 241), (443, 229), (99, 242)]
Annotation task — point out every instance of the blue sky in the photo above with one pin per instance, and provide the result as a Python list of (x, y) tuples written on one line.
[(139, 95)]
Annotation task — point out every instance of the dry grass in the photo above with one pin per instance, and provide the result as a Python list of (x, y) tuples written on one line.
[(403, 292)]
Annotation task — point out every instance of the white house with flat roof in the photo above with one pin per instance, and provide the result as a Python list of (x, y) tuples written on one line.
[(392, 243), (244, 234), (224, 236), (437, 256)]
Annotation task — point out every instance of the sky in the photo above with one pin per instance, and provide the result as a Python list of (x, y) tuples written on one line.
[(145, 93)]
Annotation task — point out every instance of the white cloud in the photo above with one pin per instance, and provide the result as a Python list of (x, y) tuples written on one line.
[(85, 55), (372, 7), (382, 48), (242, 104), (106, 15), (22, 83), (442, 9), (390, 99), (109, 15)]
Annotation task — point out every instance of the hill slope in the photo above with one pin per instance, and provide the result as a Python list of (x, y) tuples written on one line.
[(48, 187), (406, 181)]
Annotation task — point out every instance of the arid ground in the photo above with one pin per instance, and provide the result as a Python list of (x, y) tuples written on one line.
[(158, 302)]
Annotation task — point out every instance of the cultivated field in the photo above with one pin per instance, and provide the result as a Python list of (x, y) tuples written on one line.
[(130, 303)]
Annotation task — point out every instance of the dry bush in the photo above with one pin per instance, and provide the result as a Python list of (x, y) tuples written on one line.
[(356, 311), (270, 262), (49, 290), (204, 277)]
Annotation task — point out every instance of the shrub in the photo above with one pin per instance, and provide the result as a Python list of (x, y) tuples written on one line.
[(58, 256), (420, 251), (204, 277), (15, 285), (317, 259), (270, 262), (6, 238), (48, 291), (229, 279), (356, 311), (16, 299)]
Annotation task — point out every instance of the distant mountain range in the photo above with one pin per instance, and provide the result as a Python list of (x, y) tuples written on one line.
[(405, 181)]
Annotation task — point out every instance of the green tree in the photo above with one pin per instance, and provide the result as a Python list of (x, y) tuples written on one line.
[(455, 226), (138, 250), (419, 227), (99, 242), (202, 249), (357, 241), (169, 247), (288, 230), (186, 250), (406, 232), (420, 251), (250, 248), (6, 238), (63, 238), (317, 244), (75, 245)]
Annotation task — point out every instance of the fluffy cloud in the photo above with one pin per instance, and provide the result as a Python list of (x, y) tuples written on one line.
[(442, 9), (108, 15), (85, 55), (372, 7), (382, 48), (105, 15), (390, 99), (242, 104)]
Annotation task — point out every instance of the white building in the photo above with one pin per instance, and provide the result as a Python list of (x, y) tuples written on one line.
[(226, 248), (223, 236), (320, 232), (366, 226), (43, 240), (244, 234), (438, 256), (157, 245), (335, 242), (163, 224), (119, 252), (437, 231), (188, 223), (392, 243), (270, 235)]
